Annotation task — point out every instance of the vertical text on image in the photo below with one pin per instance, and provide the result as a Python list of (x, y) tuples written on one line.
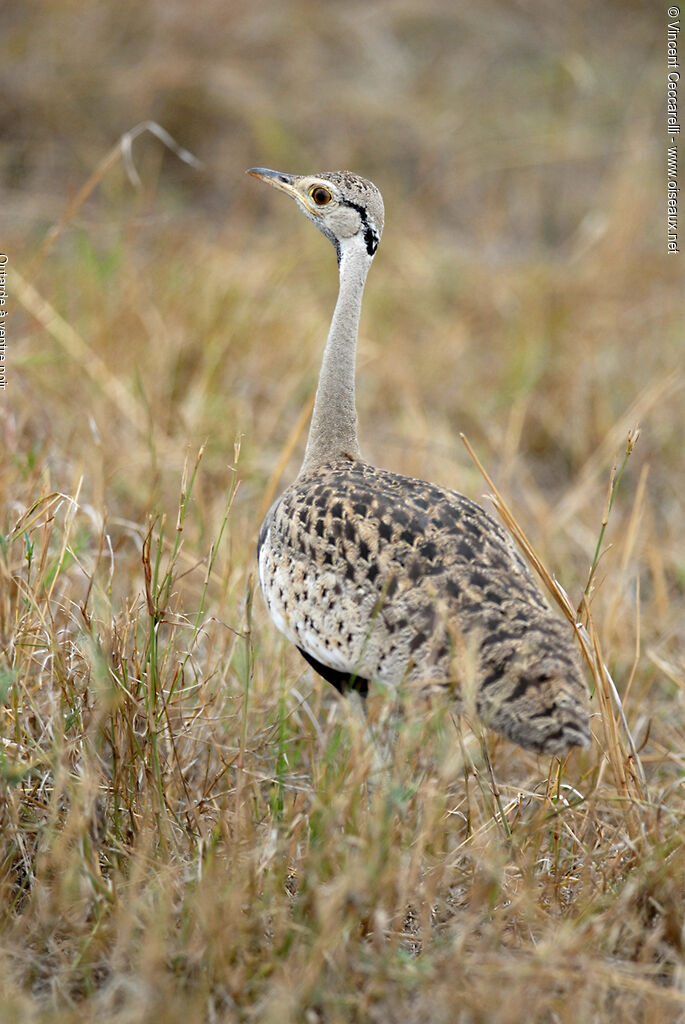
[(672, 128)]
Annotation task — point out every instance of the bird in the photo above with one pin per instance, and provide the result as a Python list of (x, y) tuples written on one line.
[(384, 579)]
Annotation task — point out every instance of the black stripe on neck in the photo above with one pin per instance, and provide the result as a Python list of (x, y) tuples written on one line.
[(370, 236), (361, 210), (371, 239)]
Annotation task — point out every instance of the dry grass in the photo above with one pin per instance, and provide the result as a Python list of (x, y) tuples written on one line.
[(192, 827)]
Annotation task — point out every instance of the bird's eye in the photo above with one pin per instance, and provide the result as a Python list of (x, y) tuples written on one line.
[(320, 195)]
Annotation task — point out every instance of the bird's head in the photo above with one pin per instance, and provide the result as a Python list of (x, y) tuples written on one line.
[(347, 209)]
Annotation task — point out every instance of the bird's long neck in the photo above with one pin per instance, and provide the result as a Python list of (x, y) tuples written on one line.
[(333, 430)]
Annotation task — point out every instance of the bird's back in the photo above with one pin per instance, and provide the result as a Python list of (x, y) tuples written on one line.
[(381, 577)]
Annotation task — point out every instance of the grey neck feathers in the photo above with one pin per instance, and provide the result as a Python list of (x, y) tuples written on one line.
[(333, 430)]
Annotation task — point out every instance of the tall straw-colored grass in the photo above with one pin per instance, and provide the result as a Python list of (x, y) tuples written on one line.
[(192, 825)]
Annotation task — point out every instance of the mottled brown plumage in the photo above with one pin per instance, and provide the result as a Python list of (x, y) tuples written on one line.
[(380, 577)]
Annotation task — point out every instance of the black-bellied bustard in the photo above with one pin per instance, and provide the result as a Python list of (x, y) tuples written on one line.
[(380, 577)]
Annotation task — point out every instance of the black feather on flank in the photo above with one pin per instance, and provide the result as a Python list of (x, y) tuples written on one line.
[(342, 681)]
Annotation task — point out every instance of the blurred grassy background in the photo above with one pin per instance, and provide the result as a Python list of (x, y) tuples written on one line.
[(521, 294)]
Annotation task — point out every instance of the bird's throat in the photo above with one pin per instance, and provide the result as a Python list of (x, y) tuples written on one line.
[(333, 433)]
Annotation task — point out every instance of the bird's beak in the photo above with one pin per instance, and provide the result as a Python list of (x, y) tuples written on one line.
[(284, 182)]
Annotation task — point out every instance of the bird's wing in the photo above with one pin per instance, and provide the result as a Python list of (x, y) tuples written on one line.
[(377, 576), (367, 571)]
